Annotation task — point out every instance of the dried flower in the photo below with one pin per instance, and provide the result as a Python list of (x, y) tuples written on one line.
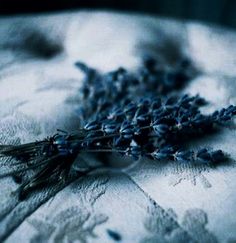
[(128, 114), (101, 92)]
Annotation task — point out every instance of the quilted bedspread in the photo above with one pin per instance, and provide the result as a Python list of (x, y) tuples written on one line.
[(148, 202)]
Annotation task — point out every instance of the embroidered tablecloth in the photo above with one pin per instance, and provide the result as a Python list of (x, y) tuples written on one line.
[(149, 202)]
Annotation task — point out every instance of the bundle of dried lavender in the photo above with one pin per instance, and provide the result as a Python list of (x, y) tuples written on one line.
[(126, 113)]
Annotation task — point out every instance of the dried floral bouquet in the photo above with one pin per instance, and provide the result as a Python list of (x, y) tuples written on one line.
[(136, 114)]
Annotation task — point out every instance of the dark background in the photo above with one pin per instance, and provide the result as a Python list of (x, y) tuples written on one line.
[(222, 12)]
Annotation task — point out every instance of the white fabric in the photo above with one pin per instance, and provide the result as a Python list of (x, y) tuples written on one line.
[(152, 202)]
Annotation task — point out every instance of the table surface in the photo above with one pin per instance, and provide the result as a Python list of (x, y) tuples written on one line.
[(150, 202)]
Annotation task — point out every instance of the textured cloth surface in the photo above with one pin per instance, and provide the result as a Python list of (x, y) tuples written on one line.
[(150, 202)]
